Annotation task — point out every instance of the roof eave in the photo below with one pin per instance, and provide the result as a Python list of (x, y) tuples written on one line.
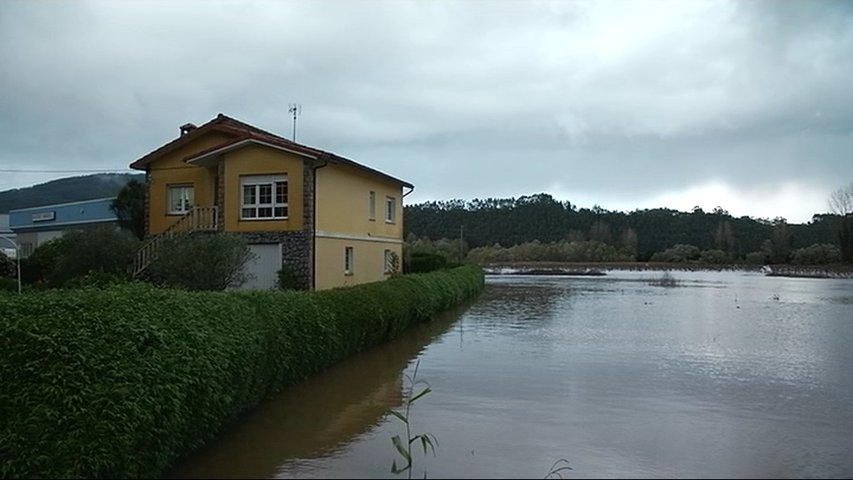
[(142, 163), (209, 158), (352, 163)]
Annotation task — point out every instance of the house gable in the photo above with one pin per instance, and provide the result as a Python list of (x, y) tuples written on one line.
[(169, 171), (257, 161)]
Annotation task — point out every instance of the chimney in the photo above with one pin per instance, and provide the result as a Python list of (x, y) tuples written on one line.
[(187, 128)]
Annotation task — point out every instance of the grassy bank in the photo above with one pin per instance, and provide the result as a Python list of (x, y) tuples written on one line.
[(123, 381)]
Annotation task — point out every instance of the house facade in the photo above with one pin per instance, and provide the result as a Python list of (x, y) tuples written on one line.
[(36, 225), (331, 221)]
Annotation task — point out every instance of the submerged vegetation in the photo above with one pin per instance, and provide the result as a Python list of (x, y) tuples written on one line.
[(665, 280), (427, 440)]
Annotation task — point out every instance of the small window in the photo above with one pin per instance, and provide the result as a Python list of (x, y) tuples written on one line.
[(390, 209), (371, 206), (389, 261), (263, 197), (26, 249), (180, 198), (348, 260)]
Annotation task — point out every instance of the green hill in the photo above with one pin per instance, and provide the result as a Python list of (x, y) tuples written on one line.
[(69, 189)]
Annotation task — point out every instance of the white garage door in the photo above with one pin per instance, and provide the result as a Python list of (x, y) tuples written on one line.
[(264, 268)]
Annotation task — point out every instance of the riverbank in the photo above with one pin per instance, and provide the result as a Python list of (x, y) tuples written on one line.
[(600, 269), (122, 382)]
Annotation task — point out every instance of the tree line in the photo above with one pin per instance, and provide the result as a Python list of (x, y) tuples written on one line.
[(641, 234)]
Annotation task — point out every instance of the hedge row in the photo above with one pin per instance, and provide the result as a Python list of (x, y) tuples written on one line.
[(121, 382)]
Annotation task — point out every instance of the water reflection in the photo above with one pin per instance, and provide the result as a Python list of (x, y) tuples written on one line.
[(730, 374), (507, 304), (319, 417)]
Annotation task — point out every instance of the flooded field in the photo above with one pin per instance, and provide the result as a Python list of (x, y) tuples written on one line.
[(726, 374)]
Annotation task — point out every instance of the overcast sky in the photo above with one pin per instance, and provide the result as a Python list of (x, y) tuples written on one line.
[(746, 105)]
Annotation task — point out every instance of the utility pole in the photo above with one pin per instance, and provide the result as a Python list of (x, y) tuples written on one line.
[(295, 109)]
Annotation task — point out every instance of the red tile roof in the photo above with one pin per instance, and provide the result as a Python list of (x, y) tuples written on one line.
[(240, 132)]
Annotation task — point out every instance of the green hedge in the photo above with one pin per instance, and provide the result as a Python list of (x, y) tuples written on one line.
[(122, 381), (423, 262)]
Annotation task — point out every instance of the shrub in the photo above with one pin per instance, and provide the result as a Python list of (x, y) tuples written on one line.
[(36, 268), (7, 266), (286, 279), (202, 261), (394, 264), (817, 254), (122, 381), (715, 257), (679, 253), (563, 251), (8, 284), (756, 258), (97, 249), (422, 262), (450, 249), (98, 280)]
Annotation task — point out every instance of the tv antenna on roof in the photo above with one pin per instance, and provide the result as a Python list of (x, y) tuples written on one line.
[(295, 109)]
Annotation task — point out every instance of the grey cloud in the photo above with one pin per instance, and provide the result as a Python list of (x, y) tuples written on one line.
[(615, 99)]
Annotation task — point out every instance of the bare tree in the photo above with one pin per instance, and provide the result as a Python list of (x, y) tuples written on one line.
[(841, 200), (841, 204)]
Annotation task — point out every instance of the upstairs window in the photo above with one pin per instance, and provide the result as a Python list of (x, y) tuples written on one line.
[(179, 198), (263, 197), (371, 206), (390, 209)]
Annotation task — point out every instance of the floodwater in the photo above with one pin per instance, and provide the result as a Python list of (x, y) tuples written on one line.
[(728, 374)]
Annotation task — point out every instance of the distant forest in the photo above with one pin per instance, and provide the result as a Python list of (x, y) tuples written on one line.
[(541, 227), (71, 189), (540, 218)]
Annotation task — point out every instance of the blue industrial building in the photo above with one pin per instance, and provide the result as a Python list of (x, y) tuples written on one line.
[(7, 236), (36, 225)]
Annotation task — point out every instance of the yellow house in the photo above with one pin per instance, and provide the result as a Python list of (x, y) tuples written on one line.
[(332, 221)]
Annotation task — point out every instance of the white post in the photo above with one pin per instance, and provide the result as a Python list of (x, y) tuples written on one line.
[(17, 260)]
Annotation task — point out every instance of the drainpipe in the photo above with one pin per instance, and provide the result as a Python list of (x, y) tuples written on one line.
[(314, 227), (402, 226)]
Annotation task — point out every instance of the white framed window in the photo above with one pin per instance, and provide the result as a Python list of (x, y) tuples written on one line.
[(179, 198), (26, 249), (390, 209), (371, 206), (263, 197), (389, 261), (348, 260)]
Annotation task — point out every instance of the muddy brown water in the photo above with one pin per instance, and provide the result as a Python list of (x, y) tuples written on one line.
[(728, 374)]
